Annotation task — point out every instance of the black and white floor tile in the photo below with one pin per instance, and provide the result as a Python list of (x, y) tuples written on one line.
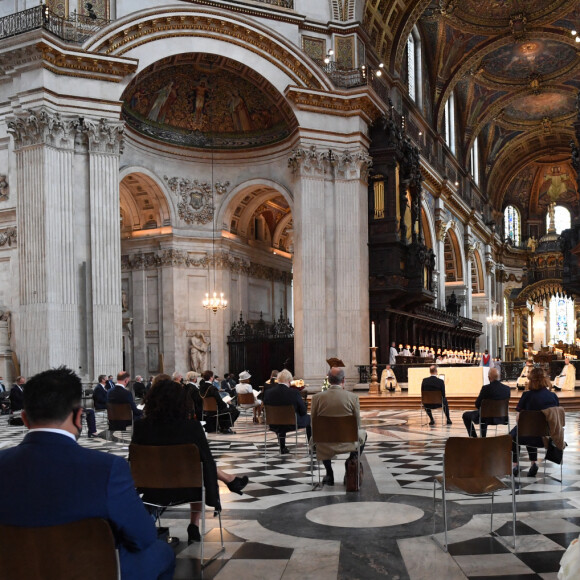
[(281, 529)]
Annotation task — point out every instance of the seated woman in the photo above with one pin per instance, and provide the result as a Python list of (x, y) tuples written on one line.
[(566, 380), (167, 422), (536, 398), (227, 419), (388, 380), (244, 388), (523, 379)]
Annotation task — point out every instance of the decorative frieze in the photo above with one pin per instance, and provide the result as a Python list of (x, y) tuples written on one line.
[(352, 165), (8, 237), (221, 260), (347, 164), (196, 205)]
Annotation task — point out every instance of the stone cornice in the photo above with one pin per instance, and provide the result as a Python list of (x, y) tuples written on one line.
[(174, 258)]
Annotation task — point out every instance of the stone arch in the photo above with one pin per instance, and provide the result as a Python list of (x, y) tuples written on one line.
[(454, 262), (477, 273), (428, 226), (144, 201)]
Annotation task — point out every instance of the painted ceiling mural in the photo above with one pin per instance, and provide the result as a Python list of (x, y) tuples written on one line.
[(513, 66), (206, 101)]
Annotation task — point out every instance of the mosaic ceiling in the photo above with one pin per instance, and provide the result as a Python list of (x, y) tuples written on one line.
[(513, 66), (206, 101)]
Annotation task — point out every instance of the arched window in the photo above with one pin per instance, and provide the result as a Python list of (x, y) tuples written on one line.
[(449, 123), (475, 161), (511, 219), (562, 219), (562, 319), (414, 67)]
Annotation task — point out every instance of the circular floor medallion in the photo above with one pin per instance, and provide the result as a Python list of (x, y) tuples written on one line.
[(366, 514)]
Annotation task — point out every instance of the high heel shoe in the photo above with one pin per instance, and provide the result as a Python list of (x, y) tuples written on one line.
[(237, 484), (193, 534)]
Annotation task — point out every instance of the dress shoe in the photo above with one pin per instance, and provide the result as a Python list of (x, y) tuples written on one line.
[(449, 422), (432, 422), (237, 484), (227, 431), (533, 470), (328, 479), (193, 534), (284, 451)]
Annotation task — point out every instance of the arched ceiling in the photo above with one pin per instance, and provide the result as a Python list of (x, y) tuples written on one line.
[(513, 66)]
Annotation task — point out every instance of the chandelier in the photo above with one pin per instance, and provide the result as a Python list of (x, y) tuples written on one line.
[(214, 303), (494, 319)]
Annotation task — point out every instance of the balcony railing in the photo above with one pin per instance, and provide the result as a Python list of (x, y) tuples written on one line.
[(76, 28)]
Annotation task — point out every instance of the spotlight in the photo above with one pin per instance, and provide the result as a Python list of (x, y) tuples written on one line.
[(381, 65), (379, 72), (573, 32), (331, 52), (456, 183), (420, 133), (326, 60), (578, 39)]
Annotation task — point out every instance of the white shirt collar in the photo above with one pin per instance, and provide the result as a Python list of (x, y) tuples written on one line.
[(50, 430), (120, 385)]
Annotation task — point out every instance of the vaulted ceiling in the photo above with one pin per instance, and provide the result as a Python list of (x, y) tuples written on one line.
[(513, 66)]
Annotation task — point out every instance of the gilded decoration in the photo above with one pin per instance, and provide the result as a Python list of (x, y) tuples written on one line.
[(196, 205), (315, 48), (206, 101), (345, 52), (100, 8), (220, 260)]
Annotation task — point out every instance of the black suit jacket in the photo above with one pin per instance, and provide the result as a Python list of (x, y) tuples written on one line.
[(192, 391), (16, 398), (118, 394), (495, 391), (279, 395), (433, 383), (100, 396), (176, 432), (210, 390)]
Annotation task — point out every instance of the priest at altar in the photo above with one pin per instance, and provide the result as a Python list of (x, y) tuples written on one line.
[(523, 380), (566, 380), (388, 380)]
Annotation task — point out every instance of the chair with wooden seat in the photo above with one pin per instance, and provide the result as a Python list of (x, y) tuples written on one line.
[(280, 416), (82, 550), (431, 398), (494, 409), (172, 467), (476, 466), (117, 413), (246, 402), (210, 408), (533, 424), (343, 429)]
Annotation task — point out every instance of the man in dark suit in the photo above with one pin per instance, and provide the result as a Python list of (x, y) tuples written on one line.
[(120, 394), (100, 393), (52, 480), (280, 394), (227, 413), (16, 394), (496, 391), (434, 383)]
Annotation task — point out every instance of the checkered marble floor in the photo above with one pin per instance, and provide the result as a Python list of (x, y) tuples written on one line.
[(281, 528)]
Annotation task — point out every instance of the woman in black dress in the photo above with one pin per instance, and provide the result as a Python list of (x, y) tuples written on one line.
[(168, 421)]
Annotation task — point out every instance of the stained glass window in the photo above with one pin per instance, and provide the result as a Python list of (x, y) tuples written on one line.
[(562, 219), (562, 323), (511, 219), (411, 66)]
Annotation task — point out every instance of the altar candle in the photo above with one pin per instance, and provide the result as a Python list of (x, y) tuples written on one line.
[(373, 334)]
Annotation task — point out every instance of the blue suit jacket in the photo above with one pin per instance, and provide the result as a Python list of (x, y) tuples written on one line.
[(52, 480), (119, 394), (100, 396)]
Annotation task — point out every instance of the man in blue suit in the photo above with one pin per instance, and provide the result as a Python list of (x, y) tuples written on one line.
[(52, 480), (100, 393), (121, 394)]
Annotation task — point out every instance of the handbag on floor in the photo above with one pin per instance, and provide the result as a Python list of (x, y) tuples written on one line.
[(554, 454), (350, 479)]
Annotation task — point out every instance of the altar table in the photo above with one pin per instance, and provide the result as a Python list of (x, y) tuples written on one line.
[(459, 380)]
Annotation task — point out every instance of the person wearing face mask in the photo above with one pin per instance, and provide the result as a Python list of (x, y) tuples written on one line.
[(52, 480)]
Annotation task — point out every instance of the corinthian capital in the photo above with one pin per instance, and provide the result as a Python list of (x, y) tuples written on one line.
[(352, 165), (104, 136), (41, 127), (310, 161)]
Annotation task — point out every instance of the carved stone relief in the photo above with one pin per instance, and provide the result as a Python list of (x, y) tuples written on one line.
[(347, 164), (199, 346), (4, 188), (442, 227), (8, 237)]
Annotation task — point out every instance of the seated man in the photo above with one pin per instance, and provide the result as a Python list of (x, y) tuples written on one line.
[(227, 413), (52, 480), (495, 391), (100, 393), (434, 383), (388, 380), (193, 396), (566, 380), (120, 394), (523, 380), (336, 402), (139, 387), (16, 394), (280, 394)]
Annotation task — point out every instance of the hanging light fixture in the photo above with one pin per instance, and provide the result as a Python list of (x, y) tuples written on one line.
[(494, 319), (214, 303)]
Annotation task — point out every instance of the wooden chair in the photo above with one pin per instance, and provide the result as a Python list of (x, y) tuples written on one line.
[(476, 467), (246, 402), (210, 407), (533, 424), (82, 550), (172, 467), (431, 398), (276, 416), (492, 409), (343, 429)]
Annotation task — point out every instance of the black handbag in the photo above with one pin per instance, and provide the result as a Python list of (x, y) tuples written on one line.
[(554, 454)]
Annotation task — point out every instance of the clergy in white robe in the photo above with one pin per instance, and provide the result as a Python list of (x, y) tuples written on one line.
[(566, 380), (392, 354), (388, 380), (523, 380)]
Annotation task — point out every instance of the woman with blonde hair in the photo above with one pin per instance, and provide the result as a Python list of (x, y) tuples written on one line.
[(536, 398)]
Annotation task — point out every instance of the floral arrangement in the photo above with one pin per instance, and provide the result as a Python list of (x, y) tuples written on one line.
[(325, 384)]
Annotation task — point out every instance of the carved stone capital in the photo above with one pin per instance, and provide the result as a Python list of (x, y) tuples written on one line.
[(8, 237), (311, 161), (42, 127), (352, 165), (104, 136), (490, 267), (442, 227)]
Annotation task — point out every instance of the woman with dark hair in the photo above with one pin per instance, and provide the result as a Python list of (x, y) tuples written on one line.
[(537, 398), (167, 422)]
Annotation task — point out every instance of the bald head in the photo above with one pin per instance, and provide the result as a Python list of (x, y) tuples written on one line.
[(336, 376), (493, 375)]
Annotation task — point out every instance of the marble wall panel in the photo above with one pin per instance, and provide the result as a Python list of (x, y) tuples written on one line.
[(152, 293), (260, 299), (196, 289)]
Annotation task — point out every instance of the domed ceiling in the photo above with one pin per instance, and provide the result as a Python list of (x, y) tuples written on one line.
[(513, 66), (206, 101)]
